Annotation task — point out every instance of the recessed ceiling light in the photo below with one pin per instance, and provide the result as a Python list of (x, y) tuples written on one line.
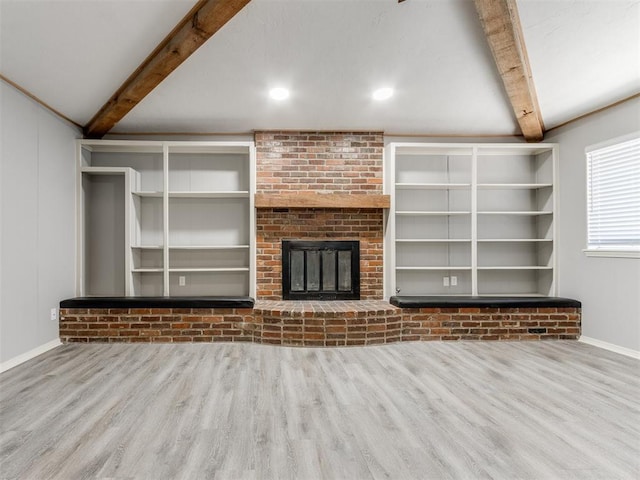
[(279, 93), (383, 93)]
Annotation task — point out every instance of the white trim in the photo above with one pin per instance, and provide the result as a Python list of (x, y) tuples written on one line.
[(15, 361), (389, 222), (555, 221), (611, 347), (165, 219), (253, 176), (79, 221), (601, 252), (474, 221)]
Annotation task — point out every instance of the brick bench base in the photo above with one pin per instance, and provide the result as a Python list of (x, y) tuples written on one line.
[(342, 323)]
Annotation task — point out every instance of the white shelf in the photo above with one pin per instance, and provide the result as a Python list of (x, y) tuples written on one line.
[(220, 194), (433, 240), (431, 213), (118, 146), (148, 270), (410, 148), (197, 147), (513, 186), (199, 270), (106, 170), (208, 247), (433, 186), (523, 213), (147, 247), (516, 268), (148, 194), (513, 240), (432, 268)]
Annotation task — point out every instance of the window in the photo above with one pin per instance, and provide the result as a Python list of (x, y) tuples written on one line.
[(613, 198)]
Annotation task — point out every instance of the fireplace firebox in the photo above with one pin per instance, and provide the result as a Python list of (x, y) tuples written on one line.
[(320, 270)]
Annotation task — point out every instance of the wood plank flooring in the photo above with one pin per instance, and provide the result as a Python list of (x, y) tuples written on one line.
[(530, 410)]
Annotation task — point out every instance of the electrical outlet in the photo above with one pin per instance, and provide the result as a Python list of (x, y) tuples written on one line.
[(54, 314), (182, 280), (454, 281), (445, 281)]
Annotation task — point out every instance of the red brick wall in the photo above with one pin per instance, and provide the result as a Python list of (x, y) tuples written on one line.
[(477, 323), (339, 162), (317, 324), (157, 325)]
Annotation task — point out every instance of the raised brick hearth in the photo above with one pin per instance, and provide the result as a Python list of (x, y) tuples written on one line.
[(341, 323)]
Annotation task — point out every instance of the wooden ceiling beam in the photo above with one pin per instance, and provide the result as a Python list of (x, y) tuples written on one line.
[(501, 24), (204, 20)]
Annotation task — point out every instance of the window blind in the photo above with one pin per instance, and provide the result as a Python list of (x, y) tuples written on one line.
[(613, 196)]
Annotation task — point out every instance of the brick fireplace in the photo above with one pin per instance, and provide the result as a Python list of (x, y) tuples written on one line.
[(321, 270), (317, 186), (296, 169)]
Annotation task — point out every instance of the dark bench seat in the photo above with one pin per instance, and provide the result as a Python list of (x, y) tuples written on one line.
[(428, 301), (159, 302)]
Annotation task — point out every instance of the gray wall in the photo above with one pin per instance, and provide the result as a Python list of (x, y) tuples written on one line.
[(37, 218), (609, 288)]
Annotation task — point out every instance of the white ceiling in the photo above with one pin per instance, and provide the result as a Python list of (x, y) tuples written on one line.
[(584, 54), (74, 54)]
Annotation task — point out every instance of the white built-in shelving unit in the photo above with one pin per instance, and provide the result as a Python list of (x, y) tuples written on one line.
[(478, 216), (166, 218)]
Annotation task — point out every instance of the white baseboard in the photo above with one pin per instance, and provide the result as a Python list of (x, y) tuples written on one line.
[(611, 347), (15, 361)]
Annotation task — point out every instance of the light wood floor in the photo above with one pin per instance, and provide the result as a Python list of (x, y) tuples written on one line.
[(532, 410)]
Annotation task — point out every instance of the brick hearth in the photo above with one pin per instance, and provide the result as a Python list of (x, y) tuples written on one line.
[(295, 323)]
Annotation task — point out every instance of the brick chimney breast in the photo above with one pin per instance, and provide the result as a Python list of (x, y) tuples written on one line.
[(323, 162)]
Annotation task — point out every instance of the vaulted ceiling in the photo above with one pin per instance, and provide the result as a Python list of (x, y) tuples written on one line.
[(73, 55)]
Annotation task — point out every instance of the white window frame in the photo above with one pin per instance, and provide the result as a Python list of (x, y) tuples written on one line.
[(623, 251)]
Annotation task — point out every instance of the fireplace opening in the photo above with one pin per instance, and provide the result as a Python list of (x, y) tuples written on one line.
[(320, 270)]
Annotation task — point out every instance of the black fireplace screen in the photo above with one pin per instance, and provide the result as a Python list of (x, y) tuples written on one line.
[(316, 270)]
